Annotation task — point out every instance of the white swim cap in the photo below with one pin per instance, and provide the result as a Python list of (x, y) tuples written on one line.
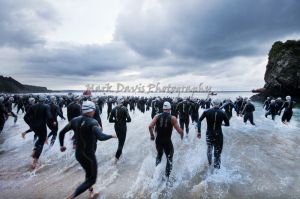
[(167, 106), (88, 106), (216, 102)]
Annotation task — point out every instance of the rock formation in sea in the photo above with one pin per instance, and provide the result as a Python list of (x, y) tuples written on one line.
[(282, 76)]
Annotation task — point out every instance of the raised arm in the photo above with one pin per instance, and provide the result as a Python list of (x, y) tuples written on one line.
[(62, 134), (283, 106), (100, 135)]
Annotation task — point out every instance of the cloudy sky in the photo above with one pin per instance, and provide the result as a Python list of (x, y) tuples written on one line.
[(66, 44)]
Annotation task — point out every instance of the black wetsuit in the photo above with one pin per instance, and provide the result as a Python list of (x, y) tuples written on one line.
[(101, 102), (141, 105), (119, 115), (61, 103), (195, 111), (55, 111), (38, 116), (288, 110), (163, 140), (267, 104), (272, 110), (87, 132), (183, 109), (157, 107), (8, 106), (202, 103), (214, 135), (97, 116), (109, 107), (126, 102), (3, 114), (228, 106), (174, 111), (278, 104), (238, 106), (207, 104), (27, 120), (20, 105), (73, 110), (248, 113), (148, 104), (131, 104)]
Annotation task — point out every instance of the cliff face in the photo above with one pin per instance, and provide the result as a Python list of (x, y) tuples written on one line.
[(10, 85), (282, 76)]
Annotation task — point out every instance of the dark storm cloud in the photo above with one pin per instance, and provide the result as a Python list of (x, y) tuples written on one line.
[(210, 30), (79, 60), (23, 23), (159, 40)]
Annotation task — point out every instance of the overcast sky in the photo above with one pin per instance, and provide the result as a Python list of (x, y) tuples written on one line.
[(66, 44)]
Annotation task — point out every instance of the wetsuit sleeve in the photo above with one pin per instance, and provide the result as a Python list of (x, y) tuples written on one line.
[(128, 118), (200, 120), (232, 106), (268, 108), (112, 118), (63, 132), (243, 111), (100, 135), (283, 106), (224, 104), (265, 103)]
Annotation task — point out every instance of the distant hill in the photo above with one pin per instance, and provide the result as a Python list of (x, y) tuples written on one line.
[(10, 85)]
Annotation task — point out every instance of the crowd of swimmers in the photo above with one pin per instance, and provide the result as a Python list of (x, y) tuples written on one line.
[(84, 119)]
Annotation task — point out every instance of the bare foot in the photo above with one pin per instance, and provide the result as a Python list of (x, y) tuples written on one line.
[(115, 161), (94, 195), (33, 153), (70, 197), (34, 164)]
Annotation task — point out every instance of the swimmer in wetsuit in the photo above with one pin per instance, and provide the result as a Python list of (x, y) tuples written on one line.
[(38, 116), (164, 123), (120, 116), (214, 135), (87, 132), (288, 110)]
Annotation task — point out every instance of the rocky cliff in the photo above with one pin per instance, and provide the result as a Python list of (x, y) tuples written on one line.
[(282, 76), (10, 85)]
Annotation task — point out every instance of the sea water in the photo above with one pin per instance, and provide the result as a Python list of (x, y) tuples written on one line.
[(259, 161)]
